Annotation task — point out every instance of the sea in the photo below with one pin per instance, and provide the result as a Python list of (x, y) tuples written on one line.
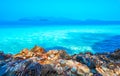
[(73, 39)]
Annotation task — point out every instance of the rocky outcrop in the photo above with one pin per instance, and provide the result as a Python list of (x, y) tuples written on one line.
[(105, 64), (38, 62)]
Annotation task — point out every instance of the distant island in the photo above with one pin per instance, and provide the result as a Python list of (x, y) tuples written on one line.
[(57, 21)]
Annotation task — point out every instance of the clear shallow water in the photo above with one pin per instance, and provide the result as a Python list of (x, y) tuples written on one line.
[(73, 39)]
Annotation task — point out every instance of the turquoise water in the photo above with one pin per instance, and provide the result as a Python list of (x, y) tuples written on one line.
[(72, 38)]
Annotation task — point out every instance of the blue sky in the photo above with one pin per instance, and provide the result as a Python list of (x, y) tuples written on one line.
[(73, 9)]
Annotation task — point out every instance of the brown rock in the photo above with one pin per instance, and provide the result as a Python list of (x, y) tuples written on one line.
[(29, 55), (22, 54), (25, 51), (104, 71), (38, 50)]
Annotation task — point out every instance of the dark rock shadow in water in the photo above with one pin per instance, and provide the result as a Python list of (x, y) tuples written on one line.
[(107, 45)]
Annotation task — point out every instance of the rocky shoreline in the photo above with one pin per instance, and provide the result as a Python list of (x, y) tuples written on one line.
[(37, 62)]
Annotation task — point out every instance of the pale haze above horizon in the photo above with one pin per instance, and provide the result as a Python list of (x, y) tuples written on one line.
[(72, 9)]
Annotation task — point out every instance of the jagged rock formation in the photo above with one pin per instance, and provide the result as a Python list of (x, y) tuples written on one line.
[(37, 62)]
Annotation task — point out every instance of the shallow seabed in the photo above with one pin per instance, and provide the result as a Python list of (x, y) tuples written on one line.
[(72, 38)]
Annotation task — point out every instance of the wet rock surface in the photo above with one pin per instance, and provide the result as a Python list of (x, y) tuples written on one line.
[(37, 62)]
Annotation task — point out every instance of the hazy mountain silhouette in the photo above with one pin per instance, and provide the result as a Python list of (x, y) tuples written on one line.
[(55, 20)]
